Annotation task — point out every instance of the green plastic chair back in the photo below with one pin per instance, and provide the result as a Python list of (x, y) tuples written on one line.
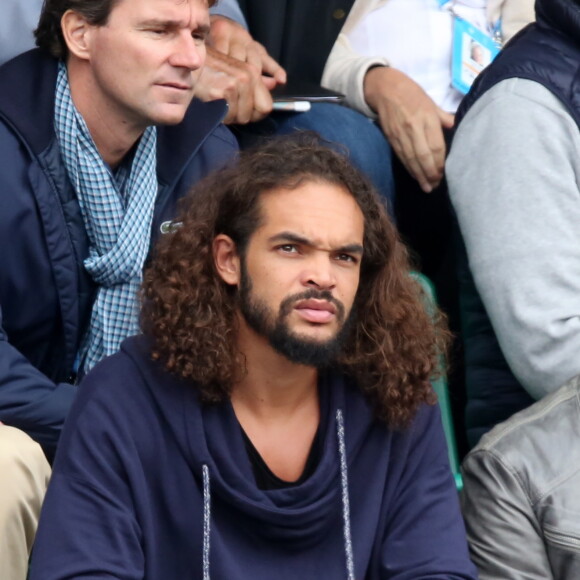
[(441, 389)]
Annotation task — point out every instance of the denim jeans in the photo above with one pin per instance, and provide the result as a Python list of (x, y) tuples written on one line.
[(352, 133)]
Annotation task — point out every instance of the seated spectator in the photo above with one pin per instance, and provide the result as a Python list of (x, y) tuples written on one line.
[(513, 180), (240, 70), (393, 59), (520, 498), (277, 417), (99, 139)]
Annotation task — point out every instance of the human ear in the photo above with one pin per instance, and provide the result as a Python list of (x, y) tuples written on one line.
[(76, 32), (226, 259)]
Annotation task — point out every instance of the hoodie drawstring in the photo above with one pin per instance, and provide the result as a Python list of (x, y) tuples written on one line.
[(345, 499), (345, 505), (206, 521)]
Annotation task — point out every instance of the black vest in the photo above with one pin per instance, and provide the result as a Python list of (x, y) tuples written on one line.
[(547, 52)]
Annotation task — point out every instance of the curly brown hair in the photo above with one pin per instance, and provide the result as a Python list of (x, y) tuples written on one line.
[(395, 345)]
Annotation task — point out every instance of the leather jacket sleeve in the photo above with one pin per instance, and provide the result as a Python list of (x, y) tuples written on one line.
[(505, 539)]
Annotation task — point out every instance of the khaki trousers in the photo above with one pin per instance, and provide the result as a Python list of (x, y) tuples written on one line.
[(24, 474)]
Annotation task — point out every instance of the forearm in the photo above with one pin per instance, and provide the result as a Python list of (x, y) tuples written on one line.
[(30, 401), (345, 71)]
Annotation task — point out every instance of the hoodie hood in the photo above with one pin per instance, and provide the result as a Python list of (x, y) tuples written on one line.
[(300, 513)]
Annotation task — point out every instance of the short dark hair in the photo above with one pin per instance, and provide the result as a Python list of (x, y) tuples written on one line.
[(394, 347), (48, 33)]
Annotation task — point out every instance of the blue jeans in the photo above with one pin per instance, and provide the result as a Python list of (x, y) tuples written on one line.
[(355, 134)]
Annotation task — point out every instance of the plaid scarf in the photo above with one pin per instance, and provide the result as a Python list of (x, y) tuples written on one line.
[(117, 211)]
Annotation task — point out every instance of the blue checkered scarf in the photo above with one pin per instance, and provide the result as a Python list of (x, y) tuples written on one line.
[(117, 212)]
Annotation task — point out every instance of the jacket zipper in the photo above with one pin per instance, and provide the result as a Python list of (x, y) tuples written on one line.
[(562, 540)]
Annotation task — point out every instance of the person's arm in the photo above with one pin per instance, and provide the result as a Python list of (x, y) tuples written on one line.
[(240, 70), (505, 539), (424, 538), (29, 400), (513, 176), (411, 121), (345, 72)]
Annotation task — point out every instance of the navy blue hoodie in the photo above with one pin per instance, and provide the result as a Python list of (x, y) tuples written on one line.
[(150, 484)]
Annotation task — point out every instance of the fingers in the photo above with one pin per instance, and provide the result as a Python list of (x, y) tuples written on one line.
[(239, 83), (447, 119), (262, 100), (245, 50), (429, 156), (225, 33), (411, 122), (256, 55), (421, 149), (419, 143), (269, 82), (240, 70), (221, 44), (272, 68), (231, 39)]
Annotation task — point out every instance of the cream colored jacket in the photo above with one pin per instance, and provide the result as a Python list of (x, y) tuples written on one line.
[(345, 69)]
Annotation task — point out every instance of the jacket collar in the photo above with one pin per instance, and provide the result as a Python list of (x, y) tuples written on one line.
[(563, 15), (27, 104), (27, 97)]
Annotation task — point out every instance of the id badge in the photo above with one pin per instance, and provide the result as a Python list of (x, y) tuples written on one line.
[(472, 51)]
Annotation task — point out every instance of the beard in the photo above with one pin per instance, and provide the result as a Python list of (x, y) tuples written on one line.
[(297, 348)]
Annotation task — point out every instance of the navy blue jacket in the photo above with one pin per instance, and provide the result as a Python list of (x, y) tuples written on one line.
[(547, 52), (45, 293), (126, 498)]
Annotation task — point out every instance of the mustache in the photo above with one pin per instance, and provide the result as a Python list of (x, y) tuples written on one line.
[(312, 294)]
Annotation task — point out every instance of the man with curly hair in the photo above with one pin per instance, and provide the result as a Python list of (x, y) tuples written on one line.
[(276, 417)]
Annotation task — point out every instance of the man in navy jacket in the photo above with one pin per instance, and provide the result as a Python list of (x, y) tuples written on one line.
[(111, 83)]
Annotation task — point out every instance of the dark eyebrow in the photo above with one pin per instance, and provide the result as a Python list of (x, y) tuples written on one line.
[(170, 24), (203, 28), (160, 23), (290, 237), (352, 249), (295, 238)]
